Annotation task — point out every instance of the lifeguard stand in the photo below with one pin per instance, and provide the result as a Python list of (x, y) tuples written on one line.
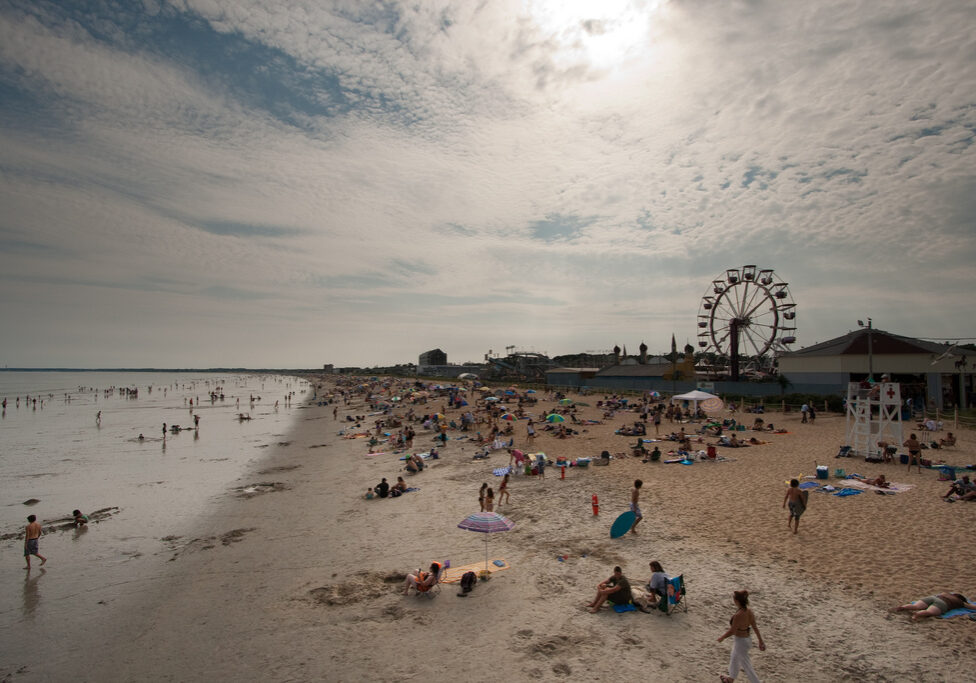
[(873, 415)]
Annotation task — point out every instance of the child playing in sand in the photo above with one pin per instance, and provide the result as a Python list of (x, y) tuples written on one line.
[(369, 493), (798, 504)]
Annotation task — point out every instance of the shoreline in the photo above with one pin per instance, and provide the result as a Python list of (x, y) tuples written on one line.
[(296, 585)]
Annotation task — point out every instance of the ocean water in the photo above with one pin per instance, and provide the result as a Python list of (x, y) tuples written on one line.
[(58, 453)]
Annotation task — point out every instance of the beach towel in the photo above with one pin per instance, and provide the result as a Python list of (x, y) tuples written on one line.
[(629, 607), (454, 574), (892, 487), (847, 492), (957, 612), (500, 471), (809, 485)]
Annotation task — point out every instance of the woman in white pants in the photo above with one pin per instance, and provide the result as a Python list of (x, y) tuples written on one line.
[(739, 627)]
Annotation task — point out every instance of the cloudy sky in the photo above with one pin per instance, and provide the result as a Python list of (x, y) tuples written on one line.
[(284, 184)]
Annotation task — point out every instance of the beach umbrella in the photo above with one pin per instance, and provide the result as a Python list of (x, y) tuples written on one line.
[(509, 416), (492, 398), (566, 402), (439, 416), (554, 417), (530, 391), (486, 523)]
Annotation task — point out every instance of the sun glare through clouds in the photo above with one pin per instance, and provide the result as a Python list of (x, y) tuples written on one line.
[(602, 34)]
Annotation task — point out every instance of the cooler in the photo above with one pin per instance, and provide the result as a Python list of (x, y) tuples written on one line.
[(823, 472)]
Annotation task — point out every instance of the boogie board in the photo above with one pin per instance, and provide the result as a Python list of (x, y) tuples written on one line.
[(622, 524)]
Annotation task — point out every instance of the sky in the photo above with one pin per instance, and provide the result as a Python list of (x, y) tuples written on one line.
[(251, 183)]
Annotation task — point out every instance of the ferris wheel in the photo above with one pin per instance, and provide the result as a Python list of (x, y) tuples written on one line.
[(746, 311)]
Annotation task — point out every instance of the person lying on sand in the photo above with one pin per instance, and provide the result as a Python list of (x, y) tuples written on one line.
[(878, 481), (934, 605)]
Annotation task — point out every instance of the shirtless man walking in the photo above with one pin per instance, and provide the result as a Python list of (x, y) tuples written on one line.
[(797, 500), (31, 538), (634, 507)]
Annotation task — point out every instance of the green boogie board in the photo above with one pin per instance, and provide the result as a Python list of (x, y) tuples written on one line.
[(622, 524)]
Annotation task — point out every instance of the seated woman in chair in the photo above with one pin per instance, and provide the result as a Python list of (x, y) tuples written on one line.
[(423, 581), (657, 587)]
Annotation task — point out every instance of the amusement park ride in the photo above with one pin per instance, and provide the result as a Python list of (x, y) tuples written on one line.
[(746, 312)]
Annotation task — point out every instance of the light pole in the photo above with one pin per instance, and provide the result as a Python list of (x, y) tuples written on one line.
[(870, 354)]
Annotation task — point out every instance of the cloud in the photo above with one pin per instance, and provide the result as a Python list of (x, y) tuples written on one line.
[(477, 174)]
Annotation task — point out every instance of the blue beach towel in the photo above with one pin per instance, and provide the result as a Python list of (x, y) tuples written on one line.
[(958, 612), (809, 485), (848, 492), (500, 471), (624, 608)]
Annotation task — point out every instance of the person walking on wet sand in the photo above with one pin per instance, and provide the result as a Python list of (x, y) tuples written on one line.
[(634, 507), (32, 537), (797, 500)]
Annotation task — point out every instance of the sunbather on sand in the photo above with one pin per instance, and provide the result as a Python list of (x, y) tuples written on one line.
[(934, 605), (878, 481)]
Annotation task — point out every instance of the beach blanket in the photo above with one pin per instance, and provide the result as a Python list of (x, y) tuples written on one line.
[(958, 612), (454, 574), (892, 488), (501, 471), (629, 607), (809, 485)]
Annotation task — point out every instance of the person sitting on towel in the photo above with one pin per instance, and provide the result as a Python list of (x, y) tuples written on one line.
[(616, 589), (961, 488)]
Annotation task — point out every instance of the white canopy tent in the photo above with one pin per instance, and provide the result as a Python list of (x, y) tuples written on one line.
[(708, 401)]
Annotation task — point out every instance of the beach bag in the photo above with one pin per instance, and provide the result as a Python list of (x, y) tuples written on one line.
[(468, 580)]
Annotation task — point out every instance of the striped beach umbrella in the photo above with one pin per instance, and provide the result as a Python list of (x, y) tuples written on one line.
[(486, 523), (555, 417)]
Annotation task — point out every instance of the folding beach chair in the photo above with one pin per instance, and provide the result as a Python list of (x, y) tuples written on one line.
[(432, 590), (675, 599)]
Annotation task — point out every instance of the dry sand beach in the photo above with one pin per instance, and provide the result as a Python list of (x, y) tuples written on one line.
[(300, 580)]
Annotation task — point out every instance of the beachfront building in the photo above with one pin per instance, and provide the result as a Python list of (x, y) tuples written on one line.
[(434, 357), (930, 373)]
